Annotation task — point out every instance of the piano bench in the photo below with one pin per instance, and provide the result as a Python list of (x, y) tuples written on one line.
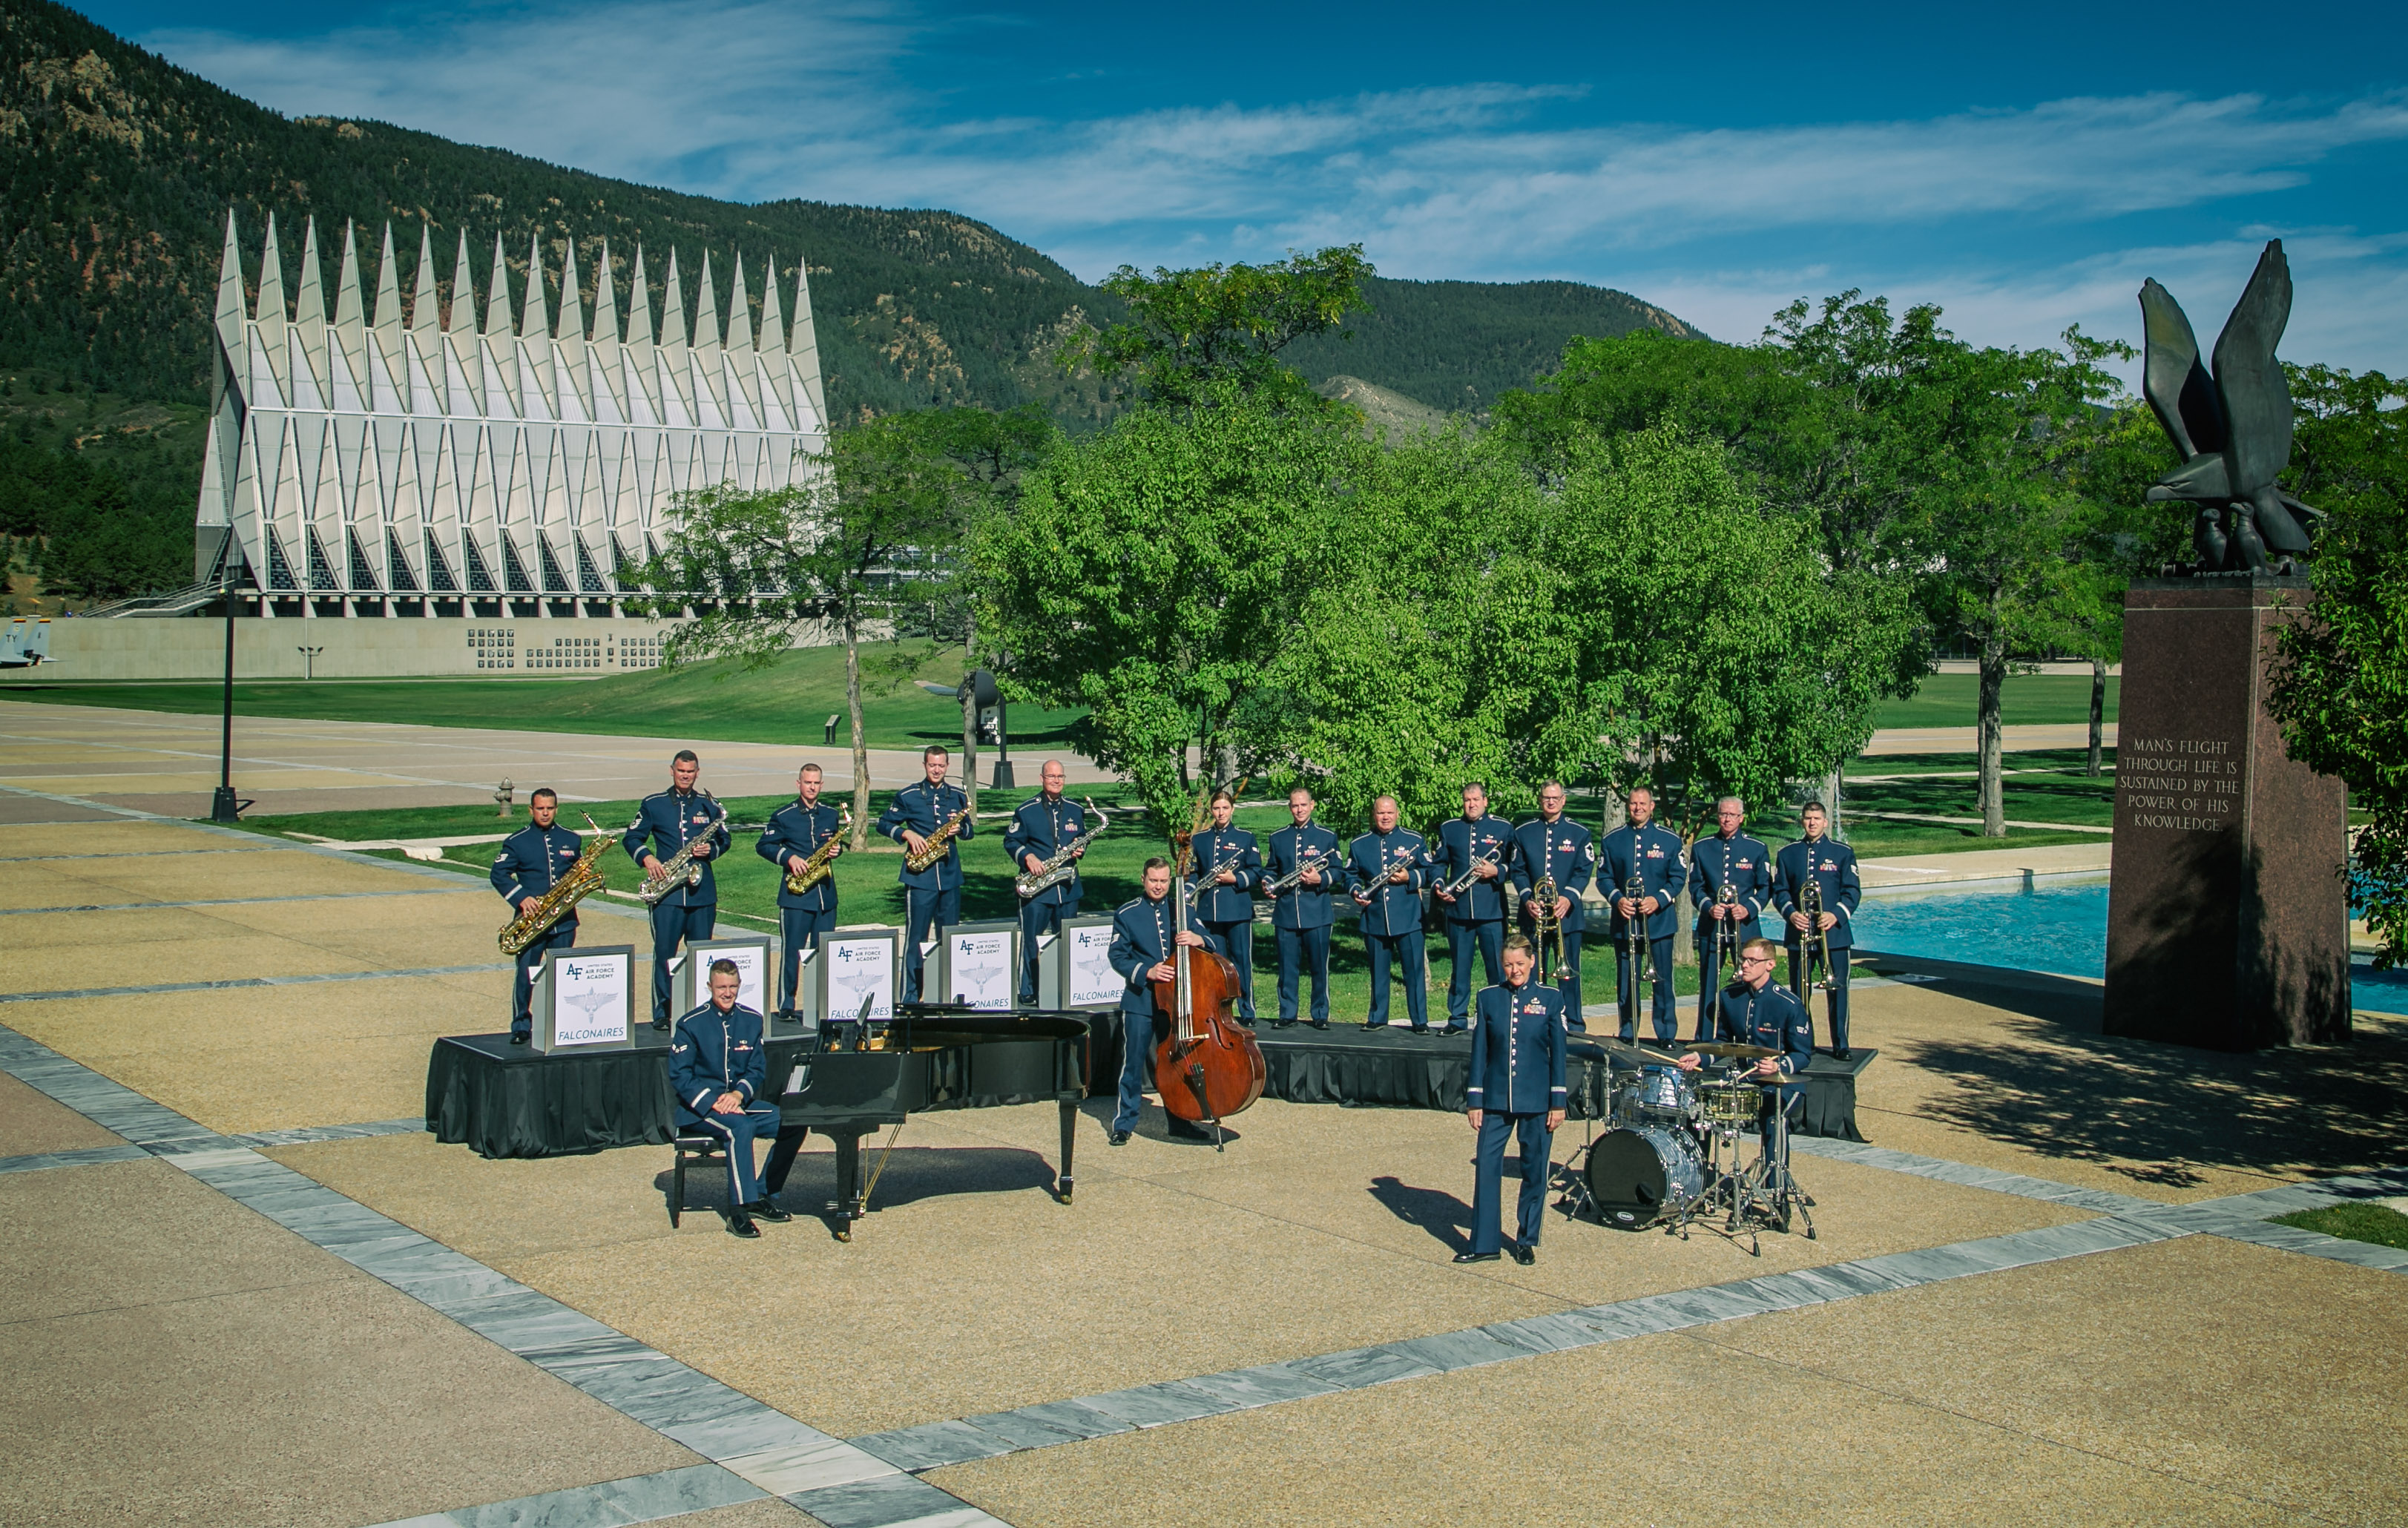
[(689, 1147)]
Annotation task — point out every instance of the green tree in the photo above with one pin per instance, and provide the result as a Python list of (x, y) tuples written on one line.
[(2338, 684), (754, 567), (1191, 335)]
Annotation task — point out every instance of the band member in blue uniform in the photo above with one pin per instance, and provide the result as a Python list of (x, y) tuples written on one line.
[(1728, 860), (1226, 865), (932, 898), (1302, 914), (1142, 942), (1040, 829), (1757, 1010), (530, 860), (1832, 866), (1553, 845), (792, 835), (1475, 916), (665, 821), (1387, 868), (720, 1072), (1641, 856), (1517, 1088)]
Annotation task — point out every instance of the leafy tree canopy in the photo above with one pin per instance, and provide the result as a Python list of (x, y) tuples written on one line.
[(1190, 332)]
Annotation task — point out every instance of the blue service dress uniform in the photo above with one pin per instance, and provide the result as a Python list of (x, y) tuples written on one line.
[(1391, 914), (1302, 915), (1043, 826), (1833, 867), (1142, 940), (932, 898), (1477, 915), (1564, 850), (1775, 1019), (1650, 858), (1745, 866), (1228, 912), (1517, 1077), (530, 860), (714, 1052), (802, 916), (662, 824)]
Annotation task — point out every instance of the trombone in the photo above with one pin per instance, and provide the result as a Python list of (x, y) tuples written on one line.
[(1725, 895), (1546, 928), (1635, 946), (1817, 940)]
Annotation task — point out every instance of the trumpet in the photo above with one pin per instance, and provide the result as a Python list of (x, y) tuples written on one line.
[(1471, 873), (1384, 880), (822, 860), (934, 848), (1060, 867), (1281, 885)]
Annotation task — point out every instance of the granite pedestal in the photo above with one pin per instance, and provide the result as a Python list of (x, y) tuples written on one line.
[(2228, 924)]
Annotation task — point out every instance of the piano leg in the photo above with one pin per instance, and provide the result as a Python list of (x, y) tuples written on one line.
[(1070, 1107), (846, 1207)]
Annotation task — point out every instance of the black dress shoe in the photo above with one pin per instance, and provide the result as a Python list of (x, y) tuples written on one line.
[(1118, 1137), (1318, 1023), (1842, 1054), (1183, 1131), (1456, 1029), (1476, 1257), (1282, 1024), (661, 1024), (1525, 1255), (767, 1209), (740, 1225), (1422, 1030), (518, 1040), (1370, 1023)]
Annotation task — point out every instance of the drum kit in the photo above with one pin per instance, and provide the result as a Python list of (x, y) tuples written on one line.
[(1684, 1148)]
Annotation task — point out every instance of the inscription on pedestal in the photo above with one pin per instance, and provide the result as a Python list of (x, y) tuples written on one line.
[(2185, 784)]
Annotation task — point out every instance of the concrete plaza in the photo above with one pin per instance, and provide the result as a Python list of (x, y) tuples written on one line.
[(246, 1287)]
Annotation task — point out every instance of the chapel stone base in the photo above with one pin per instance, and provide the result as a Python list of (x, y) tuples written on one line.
[(2226, 924)]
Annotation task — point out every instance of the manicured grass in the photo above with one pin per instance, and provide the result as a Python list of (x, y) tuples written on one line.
[(2064, 760), (2030, 798), (1948, 700), (2378, 1223), (789, 701)]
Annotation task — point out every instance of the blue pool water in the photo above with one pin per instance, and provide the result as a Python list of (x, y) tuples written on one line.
[(2061, 929)]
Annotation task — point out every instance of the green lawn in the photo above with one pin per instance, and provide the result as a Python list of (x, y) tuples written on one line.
[(2030, 798), (1948, 700), (787, 701), (2378, 1223)]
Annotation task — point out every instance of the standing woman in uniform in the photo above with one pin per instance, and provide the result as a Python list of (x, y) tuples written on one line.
[(1517, 1088)]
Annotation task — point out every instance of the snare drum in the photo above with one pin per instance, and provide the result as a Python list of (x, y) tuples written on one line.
[(1729, 1103), (1639, 1176), (1663, 1095)]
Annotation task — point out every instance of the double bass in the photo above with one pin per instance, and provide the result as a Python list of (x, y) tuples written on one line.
[(1210, 1066)]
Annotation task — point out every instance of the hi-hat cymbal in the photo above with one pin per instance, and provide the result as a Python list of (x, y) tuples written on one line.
[(1732, 1051)]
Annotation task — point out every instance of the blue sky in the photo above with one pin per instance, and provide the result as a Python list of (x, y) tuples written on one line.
[(2024, 167)]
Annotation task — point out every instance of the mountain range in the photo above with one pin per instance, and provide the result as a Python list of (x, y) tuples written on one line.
[(117, 170)]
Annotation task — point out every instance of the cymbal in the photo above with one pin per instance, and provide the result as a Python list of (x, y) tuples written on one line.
[(1731, 1050), (1623, 1049)]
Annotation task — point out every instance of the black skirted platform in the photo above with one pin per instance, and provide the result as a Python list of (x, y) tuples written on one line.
[(502, 1100), (1394, 1068), (506, 1101)]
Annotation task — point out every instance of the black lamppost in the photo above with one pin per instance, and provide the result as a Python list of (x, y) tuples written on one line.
[(224, 809)]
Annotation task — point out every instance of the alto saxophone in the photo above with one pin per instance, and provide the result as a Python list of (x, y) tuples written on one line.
[(582, 881), (1060, 868), (937, 843), (822, 860), (680, 869)]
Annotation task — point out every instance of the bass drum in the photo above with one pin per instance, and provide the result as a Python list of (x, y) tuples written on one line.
[(1639, 1176)]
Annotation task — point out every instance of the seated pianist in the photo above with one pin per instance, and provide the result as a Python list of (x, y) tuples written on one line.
[(720, 1073), (1757, 1010)]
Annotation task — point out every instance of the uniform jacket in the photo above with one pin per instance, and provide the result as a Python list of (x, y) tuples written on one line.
[(1655, 854), (1773, 1018), (712, 1052), (1214, 902), (1305, 907), (1746, 866), (794, 829), (1834, 869), (663, 822), (530, 860), (922, 810), (1041, 827), (1142, 940), (1518, 1050), (1395, 907), (1563, 849), (1461, 842)]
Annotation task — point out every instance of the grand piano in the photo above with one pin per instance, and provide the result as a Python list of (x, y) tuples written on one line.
[(853, 1079)]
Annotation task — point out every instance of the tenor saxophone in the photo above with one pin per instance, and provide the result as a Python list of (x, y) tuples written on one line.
[(934, 848), (680, 869), (1059, 869), (582, 881), (822, 860)]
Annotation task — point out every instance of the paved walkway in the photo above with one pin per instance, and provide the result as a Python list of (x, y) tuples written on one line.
[(1987, 865), (226, 1236)]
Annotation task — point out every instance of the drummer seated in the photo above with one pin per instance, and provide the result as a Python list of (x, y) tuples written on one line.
[(1757, 1010)]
